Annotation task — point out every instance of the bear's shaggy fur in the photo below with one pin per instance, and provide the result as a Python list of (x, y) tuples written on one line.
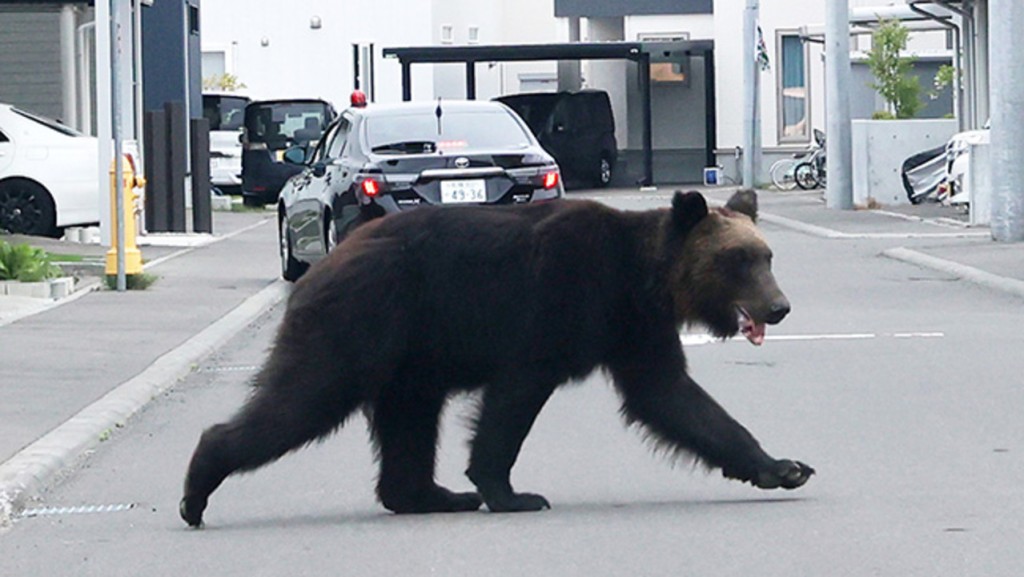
[(516, 301)]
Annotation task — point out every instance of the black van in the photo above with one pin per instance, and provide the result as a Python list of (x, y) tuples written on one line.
[(577, 128), (271, 127)]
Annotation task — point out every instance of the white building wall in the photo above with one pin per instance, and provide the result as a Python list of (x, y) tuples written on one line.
[(275, 52)]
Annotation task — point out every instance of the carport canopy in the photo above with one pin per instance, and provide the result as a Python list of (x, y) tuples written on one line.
[(643, 53)]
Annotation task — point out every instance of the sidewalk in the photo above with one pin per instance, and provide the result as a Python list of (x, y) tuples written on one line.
[(73, 369), (70, 371)]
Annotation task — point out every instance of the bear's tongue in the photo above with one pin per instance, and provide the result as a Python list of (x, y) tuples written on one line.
[(753, 331)]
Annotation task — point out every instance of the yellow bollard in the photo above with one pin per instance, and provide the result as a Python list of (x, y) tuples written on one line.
[(132, 256)]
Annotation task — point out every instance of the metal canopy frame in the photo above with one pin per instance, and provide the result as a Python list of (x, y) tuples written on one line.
[(643, 53)]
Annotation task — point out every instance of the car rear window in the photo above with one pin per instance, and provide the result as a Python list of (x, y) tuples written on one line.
[(48, 123), (281, 124), (493, 129), (224, 112)]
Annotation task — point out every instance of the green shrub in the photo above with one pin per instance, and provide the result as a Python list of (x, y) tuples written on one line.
[(133, 282), (25, 263)]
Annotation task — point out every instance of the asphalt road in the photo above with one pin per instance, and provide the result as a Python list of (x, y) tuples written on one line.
[(899, 385)]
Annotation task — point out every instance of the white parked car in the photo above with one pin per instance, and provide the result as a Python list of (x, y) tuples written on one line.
[(48, 174), (226, 113)]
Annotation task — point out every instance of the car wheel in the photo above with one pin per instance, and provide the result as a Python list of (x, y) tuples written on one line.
[(252, 201), (330, 234), (291, 269), (27, 208), (604, 172)]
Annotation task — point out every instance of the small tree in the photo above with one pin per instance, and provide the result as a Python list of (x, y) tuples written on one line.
[(892, 81)]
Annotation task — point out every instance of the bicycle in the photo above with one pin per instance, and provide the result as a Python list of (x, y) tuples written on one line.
[(789, 173), (812, 173)]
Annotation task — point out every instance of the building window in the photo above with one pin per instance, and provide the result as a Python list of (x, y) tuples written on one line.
[(447, 34), (473, 36), (792, 88)]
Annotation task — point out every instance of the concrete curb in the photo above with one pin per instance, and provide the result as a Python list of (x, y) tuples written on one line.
[(29, 471), (977, 276)]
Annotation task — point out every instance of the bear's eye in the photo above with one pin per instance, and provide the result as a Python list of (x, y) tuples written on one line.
[(736, 260)]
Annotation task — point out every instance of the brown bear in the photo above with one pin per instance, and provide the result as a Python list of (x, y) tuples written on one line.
[(514, 301)]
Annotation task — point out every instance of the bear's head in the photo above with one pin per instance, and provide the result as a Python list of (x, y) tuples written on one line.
[(720, 274)]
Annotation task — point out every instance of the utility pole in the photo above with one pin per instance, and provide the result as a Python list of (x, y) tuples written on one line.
[(116, 30), (1007, 132), (751, 136), (838, 132)]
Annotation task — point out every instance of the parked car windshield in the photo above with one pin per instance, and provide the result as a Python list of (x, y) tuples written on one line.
[(48, 123), (224, 112), (425, 132), (280, 124)]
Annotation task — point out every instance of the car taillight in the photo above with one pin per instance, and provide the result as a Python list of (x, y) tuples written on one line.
[(551, 180), (371, 187)]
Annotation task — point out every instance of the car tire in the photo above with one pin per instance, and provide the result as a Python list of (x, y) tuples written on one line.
[(27, 208), (252, 201), (604, 172), (291, 269), (330, 234)]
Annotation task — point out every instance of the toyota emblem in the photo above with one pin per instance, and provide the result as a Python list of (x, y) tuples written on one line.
[(462, 162)]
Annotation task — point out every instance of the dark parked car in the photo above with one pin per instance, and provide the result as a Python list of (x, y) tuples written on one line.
[(271, 127), (577, 128), (386, 158)]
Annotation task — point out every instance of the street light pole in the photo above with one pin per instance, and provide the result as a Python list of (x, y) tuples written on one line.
[(1007, 132), (751, 148), (839, 190)]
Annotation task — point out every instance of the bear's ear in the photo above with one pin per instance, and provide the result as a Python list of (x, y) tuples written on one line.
[(688, 208), (744, 202)]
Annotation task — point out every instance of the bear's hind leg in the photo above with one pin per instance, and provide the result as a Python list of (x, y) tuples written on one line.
[(405, 429), (508, 412), (278, 418)]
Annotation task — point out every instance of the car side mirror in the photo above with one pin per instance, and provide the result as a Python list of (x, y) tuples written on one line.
[(319, 169), (295, 155)]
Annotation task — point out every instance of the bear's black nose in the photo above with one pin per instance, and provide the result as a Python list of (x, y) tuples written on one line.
[(777, 313)]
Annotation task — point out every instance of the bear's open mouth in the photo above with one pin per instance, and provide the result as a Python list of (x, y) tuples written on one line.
[(754, 331)]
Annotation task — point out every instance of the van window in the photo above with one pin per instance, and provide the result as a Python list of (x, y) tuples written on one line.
[(282, 124), (224, 112)]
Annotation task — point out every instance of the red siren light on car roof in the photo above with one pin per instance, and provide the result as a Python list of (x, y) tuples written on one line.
[(551, 179)]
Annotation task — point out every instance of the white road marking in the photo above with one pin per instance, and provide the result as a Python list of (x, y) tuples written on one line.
[(705, 339)]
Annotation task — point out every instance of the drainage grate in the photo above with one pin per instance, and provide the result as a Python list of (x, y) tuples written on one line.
[(79, 510)]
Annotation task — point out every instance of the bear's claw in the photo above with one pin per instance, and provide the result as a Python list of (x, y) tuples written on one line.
[(785, 474)]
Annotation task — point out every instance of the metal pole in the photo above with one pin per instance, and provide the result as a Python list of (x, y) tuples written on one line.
[(750, 14), (838, 132), (1007, 108), (115, 103)]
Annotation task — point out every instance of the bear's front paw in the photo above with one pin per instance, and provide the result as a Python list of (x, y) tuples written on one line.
[(784, 473), (191, 511)]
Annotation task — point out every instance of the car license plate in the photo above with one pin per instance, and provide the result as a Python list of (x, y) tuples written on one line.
[(462, 191)]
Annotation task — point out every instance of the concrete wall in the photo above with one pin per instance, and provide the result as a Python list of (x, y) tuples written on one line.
[(879, 149)]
